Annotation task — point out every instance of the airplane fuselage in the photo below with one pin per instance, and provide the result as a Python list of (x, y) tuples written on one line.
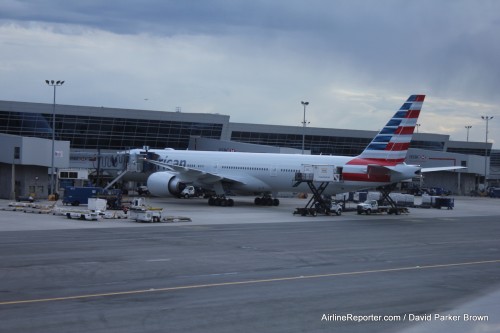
[(265, 172)]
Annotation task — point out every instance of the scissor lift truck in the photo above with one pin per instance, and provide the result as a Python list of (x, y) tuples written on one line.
[(385, 205), (322, 175)]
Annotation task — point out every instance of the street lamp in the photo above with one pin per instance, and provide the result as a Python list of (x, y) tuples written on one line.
[(487, 118), (53, 84), (304, 125), (417, 126), (468, 127)]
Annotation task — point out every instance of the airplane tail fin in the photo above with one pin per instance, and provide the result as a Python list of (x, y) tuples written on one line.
[(390, 145)]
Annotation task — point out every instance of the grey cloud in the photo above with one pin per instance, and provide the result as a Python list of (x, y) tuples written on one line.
[(443, 48)]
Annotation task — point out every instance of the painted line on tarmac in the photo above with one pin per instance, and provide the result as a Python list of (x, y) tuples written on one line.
[(235, 283), (157, 260)]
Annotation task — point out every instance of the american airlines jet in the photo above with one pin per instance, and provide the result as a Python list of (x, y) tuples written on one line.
[(381, 163)]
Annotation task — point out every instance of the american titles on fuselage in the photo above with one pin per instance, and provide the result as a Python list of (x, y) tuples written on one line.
[(168, 161)]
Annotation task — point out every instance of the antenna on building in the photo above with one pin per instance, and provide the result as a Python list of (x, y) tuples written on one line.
[(178, 109)]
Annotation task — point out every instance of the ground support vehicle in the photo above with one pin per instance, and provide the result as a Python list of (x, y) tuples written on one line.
[(76, 196), (494, 192), (189, 192), (377, 206), (372, 207), (322, 175), (96, 208), (155, 215), (317, 204), (446, 202), (113, 198), (141, 212), (142, 190), (30, 207), (437, 202), (333, 208), (88, 216), (146, 215)]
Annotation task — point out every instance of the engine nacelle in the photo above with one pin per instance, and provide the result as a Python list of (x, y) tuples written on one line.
[(165, 183)]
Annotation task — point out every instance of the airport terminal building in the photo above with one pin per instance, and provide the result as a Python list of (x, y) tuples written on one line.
[(83, 132)]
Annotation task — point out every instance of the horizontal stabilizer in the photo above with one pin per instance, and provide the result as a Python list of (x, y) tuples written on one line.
[(442, 169)]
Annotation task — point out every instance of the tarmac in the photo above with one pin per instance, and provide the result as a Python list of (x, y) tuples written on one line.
[(243, 212), (253, 269)]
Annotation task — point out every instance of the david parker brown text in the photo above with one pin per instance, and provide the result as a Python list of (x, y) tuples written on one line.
[(410, 317)]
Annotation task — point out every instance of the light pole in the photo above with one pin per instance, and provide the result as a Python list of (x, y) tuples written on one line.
[(304, 125), (417, 126), (487, 118), (53, 84), (468, 127)]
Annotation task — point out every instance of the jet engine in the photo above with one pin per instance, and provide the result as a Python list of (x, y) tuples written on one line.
[(165, 183)]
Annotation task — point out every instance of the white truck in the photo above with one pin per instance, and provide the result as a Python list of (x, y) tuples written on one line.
[(333, 208), (336, 208), (188, 192), (372, 207)]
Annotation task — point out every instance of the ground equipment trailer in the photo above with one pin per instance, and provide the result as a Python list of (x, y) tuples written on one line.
[(88, 216), (146, 215)]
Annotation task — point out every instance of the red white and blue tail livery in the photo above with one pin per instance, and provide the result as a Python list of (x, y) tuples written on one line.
[(391, 144), (381, 163)]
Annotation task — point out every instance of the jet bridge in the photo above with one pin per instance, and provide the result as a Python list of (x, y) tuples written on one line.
[(134, 168), (313, 175), (136, 162)]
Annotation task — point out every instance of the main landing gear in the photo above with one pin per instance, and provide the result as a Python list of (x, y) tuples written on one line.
[(220, 201), (266, 201)]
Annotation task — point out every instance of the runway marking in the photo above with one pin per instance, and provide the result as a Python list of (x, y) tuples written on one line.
[(235, 283)]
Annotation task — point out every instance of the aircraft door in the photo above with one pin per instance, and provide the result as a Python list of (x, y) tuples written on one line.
[(273, 170), (215, 168), (339, 172)]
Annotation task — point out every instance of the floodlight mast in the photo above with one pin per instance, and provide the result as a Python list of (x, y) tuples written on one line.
[(468, 127), (487, 118), (54, 84), (304, 125)]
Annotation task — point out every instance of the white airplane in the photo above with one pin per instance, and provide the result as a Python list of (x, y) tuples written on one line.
[(381, 163)]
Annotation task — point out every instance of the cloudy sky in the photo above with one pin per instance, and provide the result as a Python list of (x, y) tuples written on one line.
[(354, 61)]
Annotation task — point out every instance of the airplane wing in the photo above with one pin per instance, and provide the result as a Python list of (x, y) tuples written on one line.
[(195, 174)]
